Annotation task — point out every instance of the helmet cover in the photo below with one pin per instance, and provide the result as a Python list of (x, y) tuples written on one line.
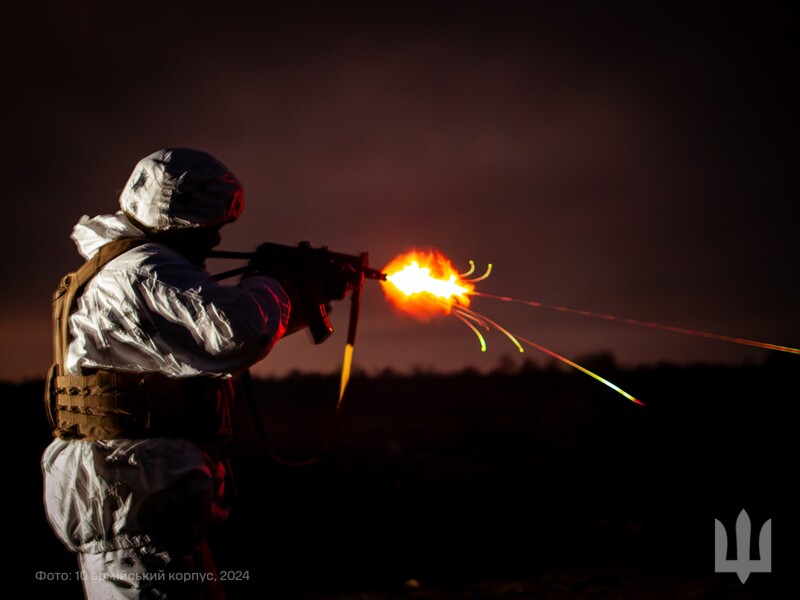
[(181, 188)]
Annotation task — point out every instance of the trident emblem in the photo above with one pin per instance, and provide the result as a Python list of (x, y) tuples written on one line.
[(743, 565)]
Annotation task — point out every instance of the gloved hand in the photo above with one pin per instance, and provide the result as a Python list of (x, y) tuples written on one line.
[(337, 280), (312, 277)]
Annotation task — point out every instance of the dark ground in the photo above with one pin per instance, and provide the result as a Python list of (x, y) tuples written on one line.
[(529, 484)]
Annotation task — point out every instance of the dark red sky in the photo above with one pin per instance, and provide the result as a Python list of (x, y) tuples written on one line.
[(637, 163)]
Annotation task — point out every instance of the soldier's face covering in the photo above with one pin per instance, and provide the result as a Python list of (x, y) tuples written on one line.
[(193, 243)]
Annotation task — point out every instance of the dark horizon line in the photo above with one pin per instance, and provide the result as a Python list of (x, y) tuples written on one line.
[(599, 361)]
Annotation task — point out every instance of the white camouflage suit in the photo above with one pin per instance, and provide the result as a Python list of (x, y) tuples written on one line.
[(151, 310)]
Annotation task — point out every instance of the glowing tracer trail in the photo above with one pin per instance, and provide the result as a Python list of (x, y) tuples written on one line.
[(586, 313), (472, 270), (516, 339), (464, 319), (583, 369)]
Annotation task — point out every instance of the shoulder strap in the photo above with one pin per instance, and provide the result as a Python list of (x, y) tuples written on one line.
[(72, 285)]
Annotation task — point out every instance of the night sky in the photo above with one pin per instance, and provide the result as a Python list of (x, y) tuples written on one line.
[(642, 164)]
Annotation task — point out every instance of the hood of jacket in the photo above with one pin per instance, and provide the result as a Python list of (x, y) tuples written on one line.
[(91, 233)]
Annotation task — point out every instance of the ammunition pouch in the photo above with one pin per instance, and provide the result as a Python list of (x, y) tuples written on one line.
[(106, 405)]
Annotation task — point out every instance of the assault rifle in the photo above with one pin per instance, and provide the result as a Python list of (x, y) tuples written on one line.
[(318, 275)]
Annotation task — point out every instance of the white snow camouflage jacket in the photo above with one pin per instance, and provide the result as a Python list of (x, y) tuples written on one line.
[(149, 310)]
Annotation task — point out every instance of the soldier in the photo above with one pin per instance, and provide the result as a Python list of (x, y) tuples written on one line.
[(146, 344)]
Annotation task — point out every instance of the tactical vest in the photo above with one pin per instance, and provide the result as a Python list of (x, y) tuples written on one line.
[(102, 404)]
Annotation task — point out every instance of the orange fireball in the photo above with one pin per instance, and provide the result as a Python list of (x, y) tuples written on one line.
[(425, 283)]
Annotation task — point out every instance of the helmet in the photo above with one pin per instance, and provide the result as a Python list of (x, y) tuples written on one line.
[(181, 188)]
